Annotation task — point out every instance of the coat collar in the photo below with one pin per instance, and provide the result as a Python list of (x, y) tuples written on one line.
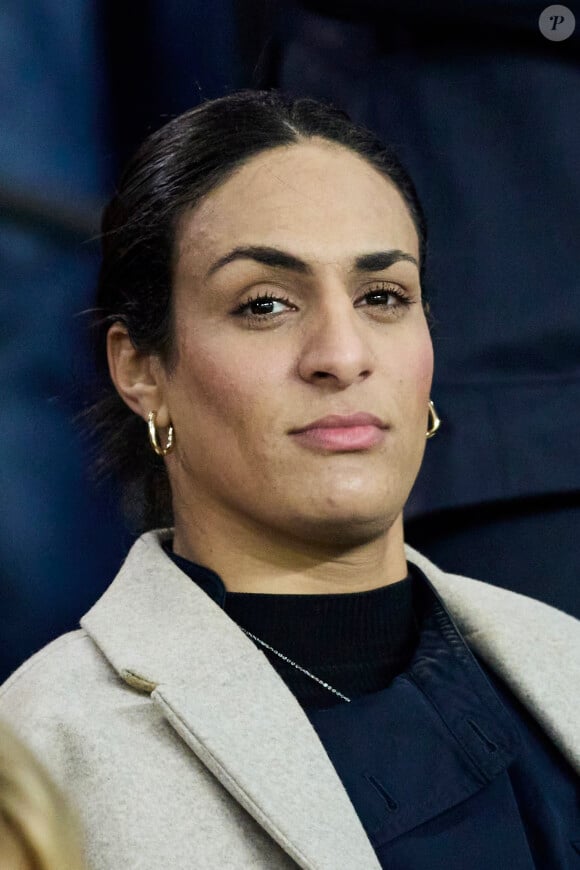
[(164, 636), (533, 647)]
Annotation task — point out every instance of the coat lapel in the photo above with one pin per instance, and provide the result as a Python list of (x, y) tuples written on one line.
[(163, 635), (534, 648)]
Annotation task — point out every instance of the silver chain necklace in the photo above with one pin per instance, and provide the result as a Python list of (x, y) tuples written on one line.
[(294, 665)]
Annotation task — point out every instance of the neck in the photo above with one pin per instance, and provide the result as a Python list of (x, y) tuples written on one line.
[(250, 559)]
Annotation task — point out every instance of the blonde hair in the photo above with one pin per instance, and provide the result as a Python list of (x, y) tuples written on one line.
[(33, 811)]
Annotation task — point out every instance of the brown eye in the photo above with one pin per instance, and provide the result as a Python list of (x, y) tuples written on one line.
[(263, 306), (380, 297), (387, 296), (260, 307)]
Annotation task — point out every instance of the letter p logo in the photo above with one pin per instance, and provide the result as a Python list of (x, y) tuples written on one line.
[(557, 23)]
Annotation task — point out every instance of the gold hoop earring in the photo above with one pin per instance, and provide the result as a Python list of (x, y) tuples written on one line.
[(160, 451), (435, 421)]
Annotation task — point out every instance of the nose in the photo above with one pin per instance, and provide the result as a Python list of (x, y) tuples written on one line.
[(336, 344)]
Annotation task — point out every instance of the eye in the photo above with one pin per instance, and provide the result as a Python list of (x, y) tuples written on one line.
[(388, 296), (261, 307)]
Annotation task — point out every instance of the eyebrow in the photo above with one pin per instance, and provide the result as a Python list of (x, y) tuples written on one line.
[(278, 259)]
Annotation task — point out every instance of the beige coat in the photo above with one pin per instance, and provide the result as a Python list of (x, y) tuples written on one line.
[(182, 748)]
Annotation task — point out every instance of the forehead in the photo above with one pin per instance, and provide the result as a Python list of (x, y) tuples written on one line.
[(317, 199)]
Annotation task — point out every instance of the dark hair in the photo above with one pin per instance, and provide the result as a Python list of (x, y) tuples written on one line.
[(172, 171)]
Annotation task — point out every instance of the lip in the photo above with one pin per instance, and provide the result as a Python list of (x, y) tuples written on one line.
[(338, 421), (342, 433)]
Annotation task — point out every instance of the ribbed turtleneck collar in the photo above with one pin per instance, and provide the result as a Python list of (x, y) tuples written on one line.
[(356, 642)]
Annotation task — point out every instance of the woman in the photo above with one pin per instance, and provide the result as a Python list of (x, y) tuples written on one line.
[(274, 679)]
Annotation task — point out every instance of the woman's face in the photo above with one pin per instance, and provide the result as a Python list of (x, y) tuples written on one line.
[(311, 227)]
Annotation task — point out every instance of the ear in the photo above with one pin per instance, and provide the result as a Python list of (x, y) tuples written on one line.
[(138, 377)]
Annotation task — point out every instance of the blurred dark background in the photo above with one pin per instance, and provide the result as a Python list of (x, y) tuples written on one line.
[(485, 113)]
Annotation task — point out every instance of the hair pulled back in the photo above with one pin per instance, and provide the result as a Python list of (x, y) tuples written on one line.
[(173, 170)]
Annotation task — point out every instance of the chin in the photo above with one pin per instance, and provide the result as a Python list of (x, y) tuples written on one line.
[(347, 528)]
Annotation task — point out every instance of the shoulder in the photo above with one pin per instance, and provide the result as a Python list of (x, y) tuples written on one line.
[(70, 662), (479, 606), (61, 698)]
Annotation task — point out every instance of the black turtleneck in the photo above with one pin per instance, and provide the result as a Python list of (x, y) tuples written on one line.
[(356, 642)]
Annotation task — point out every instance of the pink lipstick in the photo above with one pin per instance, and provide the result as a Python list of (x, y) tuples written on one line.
[(342, 433)]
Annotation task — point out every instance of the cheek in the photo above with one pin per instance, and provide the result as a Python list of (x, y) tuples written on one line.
[(223, 385), (423, 369), (415, 369)]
